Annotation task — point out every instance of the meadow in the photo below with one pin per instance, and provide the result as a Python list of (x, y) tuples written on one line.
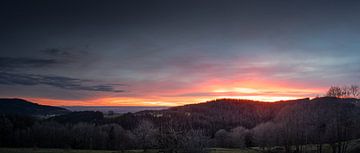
[(32, 150), (353, 148)]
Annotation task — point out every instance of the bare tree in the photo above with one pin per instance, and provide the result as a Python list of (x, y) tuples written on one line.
[(168, 138), (354, 91), (193, 141), (145, 134), (335, 91), (233, 139), (222, 138), (345, 91), (266, 135), (342, 128), (237, 136)]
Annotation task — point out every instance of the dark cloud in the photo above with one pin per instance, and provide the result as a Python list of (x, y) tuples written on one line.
[(162, 47), (55, 81), (56, 52), (11, 63)]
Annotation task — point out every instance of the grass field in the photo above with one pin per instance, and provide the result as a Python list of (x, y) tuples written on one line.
[(310, 148), (30, 150)]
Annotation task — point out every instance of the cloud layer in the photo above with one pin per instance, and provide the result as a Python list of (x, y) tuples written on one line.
[(11, 63), (54, 81), (171, 53)]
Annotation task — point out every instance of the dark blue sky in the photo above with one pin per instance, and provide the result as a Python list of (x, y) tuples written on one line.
[(151, 52)]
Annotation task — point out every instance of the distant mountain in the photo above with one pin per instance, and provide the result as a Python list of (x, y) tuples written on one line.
[(76, 117), (23, 107), (114, 109)]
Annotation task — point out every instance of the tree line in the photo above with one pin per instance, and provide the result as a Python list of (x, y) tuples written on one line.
[(229, 123), (352, 91)]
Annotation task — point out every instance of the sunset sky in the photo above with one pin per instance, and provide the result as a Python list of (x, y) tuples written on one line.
[(167, 53)]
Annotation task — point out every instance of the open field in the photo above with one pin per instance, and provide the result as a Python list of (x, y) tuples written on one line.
[(353, 148), (31, 150)]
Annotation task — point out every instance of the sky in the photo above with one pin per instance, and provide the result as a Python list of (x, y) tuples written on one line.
[(175, 52)]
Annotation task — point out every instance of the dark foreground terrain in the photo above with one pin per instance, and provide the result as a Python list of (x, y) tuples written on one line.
[(320, 125), (355, 146)]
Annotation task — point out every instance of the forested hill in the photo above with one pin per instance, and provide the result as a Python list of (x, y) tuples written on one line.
[(23, 107), (241, 104), (224, 123), (230, 113)]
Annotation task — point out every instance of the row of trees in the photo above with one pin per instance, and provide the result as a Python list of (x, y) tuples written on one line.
[(78, 136), (298, 125), (49, 134), (352, 91), (192, 129)]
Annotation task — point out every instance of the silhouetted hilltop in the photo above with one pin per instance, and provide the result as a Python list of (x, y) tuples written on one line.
[(336, 100), (22, 107), (241, 106), (230, 113), (235, 105)]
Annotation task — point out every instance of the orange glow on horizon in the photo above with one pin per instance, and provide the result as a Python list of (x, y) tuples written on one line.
[(148, 102), (250, 94), (259, 90)]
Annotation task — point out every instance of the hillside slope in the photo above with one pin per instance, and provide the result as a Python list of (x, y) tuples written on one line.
[(230, 113), (23, 107)]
